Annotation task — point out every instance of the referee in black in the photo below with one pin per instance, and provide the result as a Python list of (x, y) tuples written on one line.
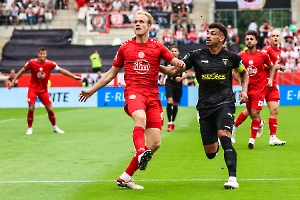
[(173, 85), (216, 101)]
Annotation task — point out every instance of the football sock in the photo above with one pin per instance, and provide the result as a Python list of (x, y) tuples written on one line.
[(230, 155), (52, 118), (125, 177), (273, 126), (254, 128), (133, 166), (174, 113), (138, 138), (241, 118), (169, 111), (29, 119)]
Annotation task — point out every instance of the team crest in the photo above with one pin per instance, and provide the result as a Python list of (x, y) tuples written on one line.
[(225, 61), (141, 54), (250, 62)]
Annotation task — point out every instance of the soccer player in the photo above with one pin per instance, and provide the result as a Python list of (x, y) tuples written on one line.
[(173, 92), (272, 94), (259, 81), (40, 73), (216, 100), (140, 56)]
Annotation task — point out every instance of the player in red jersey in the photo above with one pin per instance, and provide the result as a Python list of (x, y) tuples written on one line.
[(272, 94), (259, 81), (140, 56), (40, 73)]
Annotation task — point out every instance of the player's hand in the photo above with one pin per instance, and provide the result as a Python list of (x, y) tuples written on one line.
[(181, 64), (282, 68), (270, 83), (77, 78), (84, 95), (243, 97), (11, 85), (177, 79)]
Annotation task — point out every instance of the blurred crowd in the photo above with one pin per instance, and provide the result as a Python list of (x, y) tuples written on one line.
[(29, 11)]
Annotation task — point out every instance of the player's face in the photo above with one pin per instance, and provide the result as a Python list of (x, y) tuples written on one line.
[(42, 55), (250, 41), (275, 38), (175, 52), (141, 26), (214, 37)]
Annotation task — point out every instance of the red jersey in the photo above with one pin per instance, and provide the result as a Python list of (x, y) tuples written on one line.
[(40, 73), (254, 63), (275, 58), (141, 62)]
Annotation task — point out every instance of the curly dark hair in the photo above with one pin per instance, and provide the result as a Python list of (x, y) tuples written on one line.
[(221, 27)]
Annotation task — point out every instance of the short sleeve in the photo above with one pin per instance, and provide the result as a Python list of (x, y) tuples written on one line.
[(267, 59), (188, 60), (119, 58), (27, 66), (165, 53), (236, 60)]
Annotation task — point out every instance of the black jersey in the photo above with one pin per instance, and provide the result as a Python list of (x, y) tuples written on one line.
[(171, 80), (214, 75)]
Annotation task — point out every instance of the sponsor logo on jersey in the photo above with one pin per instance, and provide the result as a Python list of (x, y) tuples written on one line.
[(252, 70), (204, 61), (141, 66), (213, 76), (225, 61), (41, 74)]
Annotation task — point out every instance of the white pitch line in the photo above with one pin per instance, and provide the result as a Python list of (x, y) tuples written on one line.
[(7, 120), (154, 180)]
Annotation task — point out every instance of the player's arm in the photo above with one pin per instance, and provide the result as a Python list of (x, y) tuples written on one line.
[(243, 97), (178, 78), (162, 79), (272, 73), (108, 77), (236, 77), (67, 73), (13, 82)]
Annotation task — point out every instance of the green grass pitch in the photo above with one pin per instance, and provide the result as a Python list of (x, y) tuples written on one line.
[(84, 162)]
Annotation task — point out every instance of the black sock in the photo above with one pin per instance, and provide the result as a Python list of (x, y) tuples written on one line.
[(169, 111), (174, 113), (230, 155)]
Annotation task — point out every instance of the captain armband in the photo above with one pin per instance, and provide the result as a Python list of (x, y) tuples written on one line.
[(240, 68)]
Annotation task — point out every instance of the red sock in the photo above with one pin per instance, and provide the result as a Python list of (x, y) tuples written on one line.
[(133, 165), (254, 128), (273, 126), (52, 118), (29, 119), (138, 138), (241, 118)]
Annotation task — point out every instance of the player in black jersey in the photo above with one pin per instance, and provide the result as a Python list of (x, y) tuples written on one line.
[(173, 85), (216, 100)]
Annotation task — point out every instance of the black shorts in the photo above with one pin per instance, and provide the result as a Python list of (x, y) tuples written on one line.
[(221, 119), (96, 69), (174, 91)]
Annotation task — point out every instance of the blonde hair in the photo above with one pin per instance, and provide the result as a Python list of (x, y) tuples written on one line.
[(142, 12)]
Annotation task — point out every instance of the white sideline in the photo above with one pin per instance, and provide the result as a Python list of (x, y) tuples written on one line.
[(7, 120), (154, 180)]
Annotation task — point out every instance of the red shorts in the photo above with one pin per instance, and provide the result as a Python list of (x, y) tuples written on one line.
[(151, 105), (272, 94), (255, 101), (43, 96)]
